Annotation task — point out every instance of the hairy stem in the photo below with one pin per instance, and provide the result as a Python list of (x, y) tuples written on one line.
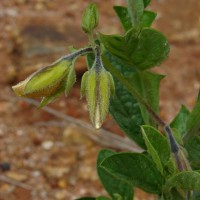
[(92, 40), (168, 132), (80, 52)]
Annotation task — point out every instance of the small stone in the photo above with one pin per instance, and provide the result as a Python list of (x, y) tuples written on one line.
[(47, 145), (17, 176), (19, 132), (1, 132), (72, 135), (55, 172), (22, 1), (36, 174), (5, 166), (39, 6), (5, 188), (11, 73), (87, 173), (62, 183), (43, 194), (4, 106), (62, 194)]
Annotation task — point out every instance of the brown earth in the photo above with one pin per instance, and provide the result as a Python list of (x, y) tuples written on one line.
[(51, 158)]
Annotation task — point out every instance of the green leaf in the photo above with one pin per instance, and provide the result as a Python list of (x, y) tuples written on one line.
[(135, 10), (120, 46), (192, 138), (193, 149), (103, 154), (180, 121), (136, 169), (151, 50), (118, 197), (102, 198), (147, 18), (157, 146), (124, 17), (173, 195), (124, 108), (193, 123), (146, 2), (170, 167), (113, 185), (147, 85), (187, 180), (154, 155), (158, 142), (144, 51)]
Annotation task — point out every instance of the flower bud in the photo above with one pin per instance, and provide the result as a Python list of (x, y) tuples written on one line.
[(51, 81), (90, 18), (97, 86), (45, 81)]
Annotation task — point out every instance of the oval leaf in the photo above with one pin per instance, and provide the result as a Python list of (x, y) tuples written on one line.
[(136, 169), (151, 150), (188, 180), (143, 51), (158, 142), (114, 185), (151, 50)]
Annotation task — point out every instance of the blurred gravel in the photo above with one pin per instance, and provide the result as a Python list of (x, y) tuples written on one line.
[(59, 162)]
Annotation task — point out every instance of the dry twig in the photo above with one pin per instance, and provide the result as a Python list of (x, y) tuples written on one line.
[(101, 136), (15, 183)]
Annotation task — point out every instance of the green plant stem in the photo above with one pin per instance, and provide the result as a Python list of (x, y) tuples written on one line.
[(173, 144), (92, 40), (80, 52)]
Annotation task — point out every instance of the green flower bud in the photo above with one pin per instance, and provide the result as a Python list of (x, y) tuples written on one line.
[(97, 85), (65, 86), (51, 81), (90, 18), (45, 81)]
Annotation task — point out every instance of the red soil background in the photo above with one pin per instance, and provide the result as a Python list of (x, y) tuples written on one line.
[(55, 159)]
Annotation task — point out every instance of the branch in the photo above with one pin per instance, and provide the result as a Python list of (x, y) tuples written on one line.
[(15, 183), (100, 136)]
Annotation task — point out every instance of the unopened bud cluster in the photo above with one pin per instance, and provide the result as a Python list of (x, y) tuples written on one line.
[(50, 82), (97, 85)]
